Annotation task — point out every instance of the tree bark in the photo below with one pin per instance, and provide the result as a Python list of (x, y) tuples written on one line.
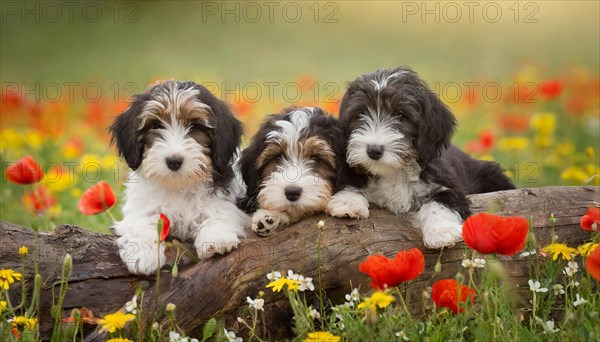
[(218, 287)]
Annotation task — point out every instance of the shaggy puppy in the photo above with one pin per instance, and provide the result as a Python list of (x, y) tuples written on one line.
[(399, 134), (291, 167), (180, 141)]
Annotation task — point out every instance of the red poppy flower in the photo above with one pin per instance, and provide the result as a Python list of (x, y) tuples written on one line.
[(166, 227), (488, 233), (483, 144), (24, 171), (591, 220), (40, 199), (97, 199), (385, 272), (514, 123), (445, 294), (592, 264), (243, 107), (550, 89)]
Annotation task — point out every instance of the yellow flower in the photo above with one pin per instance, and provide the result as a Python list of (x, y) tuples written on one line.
[(57, 179), (590, 151), (278, 284), (115, 321), (544, 123), (487, 157), (24, 322), (512, 143), (321, 336), (378, 299), (565, 149), (543, 140), (561, 249), (171, 307), (11, 138), (76, 192), (89, 163), (119, 339), (7, 277), (34, 139), (574, 173), (23, 250), (2, 306), (110, 162), (586, 249)]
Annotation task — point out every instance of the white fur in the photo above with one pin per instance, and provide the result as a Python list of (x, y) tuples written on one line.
[(348, 203), (397, 186), (265, 222), (294, 169), (398, 151), (440, 226), (173, 141), (211, 220)]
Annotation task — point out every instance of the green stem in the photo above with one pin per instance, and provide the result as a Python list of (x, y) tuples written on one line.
[(320, 277), (110, 215), (403, 303), (23, 283)]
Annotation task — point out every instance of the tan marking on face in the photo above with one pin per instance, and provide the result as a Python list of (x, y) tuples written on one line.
[(271, 151), (315, 147), (169, 103)]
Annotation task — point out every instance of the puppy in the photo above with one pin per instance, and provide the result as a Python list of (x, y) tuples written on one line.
[(398, 134), (292, 167), (180, 141)]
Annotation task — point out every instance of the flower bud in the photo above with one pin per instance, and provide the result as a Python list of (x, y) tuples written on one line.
[(438, 267), (552, 219), (67, 266), (23, 250), (174, 271), (171, 307)]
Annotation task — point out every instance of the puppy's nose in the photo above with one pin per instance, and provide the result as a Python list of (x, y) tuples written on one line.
[(293, 192), (174, 162), (375, 151)]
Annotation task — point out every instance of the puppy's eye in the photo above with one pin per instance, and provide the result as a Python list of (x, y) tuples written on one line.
[(195, 126), (157, 125)]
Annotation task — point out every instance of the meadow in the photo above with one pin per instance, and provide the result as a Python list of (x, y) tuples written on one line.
[(524, 86)]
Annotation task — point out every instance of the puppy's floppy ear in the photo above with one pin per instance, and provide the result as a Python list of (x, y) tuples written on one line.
[(225, 142), (124, 130), (436, 127), (249, 169)]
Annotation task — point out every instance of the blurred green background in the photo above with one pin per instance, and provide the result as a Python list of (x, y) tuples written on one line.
[(121, 47)]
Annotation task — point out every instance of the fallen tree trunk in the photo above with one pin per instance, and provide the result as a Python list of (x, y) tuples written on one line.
[(218, 287)]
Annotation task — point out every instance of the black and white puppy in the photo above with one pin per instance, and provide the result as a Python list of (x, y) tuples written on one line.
[(291, 167), (398, 135), (180, 141)]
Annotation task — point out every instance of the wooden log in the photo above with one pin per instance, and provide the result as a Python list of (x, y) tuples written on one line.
[(218, 287)]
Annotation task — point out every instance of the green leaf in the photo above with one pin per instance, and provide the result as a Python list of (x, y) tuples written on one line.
[(209, 329)]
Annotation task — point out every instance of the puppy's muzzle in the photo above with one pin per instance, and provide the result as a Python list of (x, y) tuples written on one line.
[(375, 151), (174, 162), (293, 192)]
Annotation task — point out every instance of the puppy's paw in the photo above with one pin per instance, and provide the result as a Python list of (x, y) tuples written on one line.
[(442, 234), (141, 256), (207, 246), (265, 222), (348, 204)]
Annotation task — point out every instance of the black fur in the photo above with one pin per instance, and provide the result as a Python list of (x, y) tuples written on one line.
[(225, 134), (321, 124), (124, 132), (421, 115)]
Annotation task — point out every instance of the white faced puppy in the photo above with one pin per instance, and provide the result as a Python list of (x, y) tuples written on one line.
[(399, 134), (180, 141), (291, 167)]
